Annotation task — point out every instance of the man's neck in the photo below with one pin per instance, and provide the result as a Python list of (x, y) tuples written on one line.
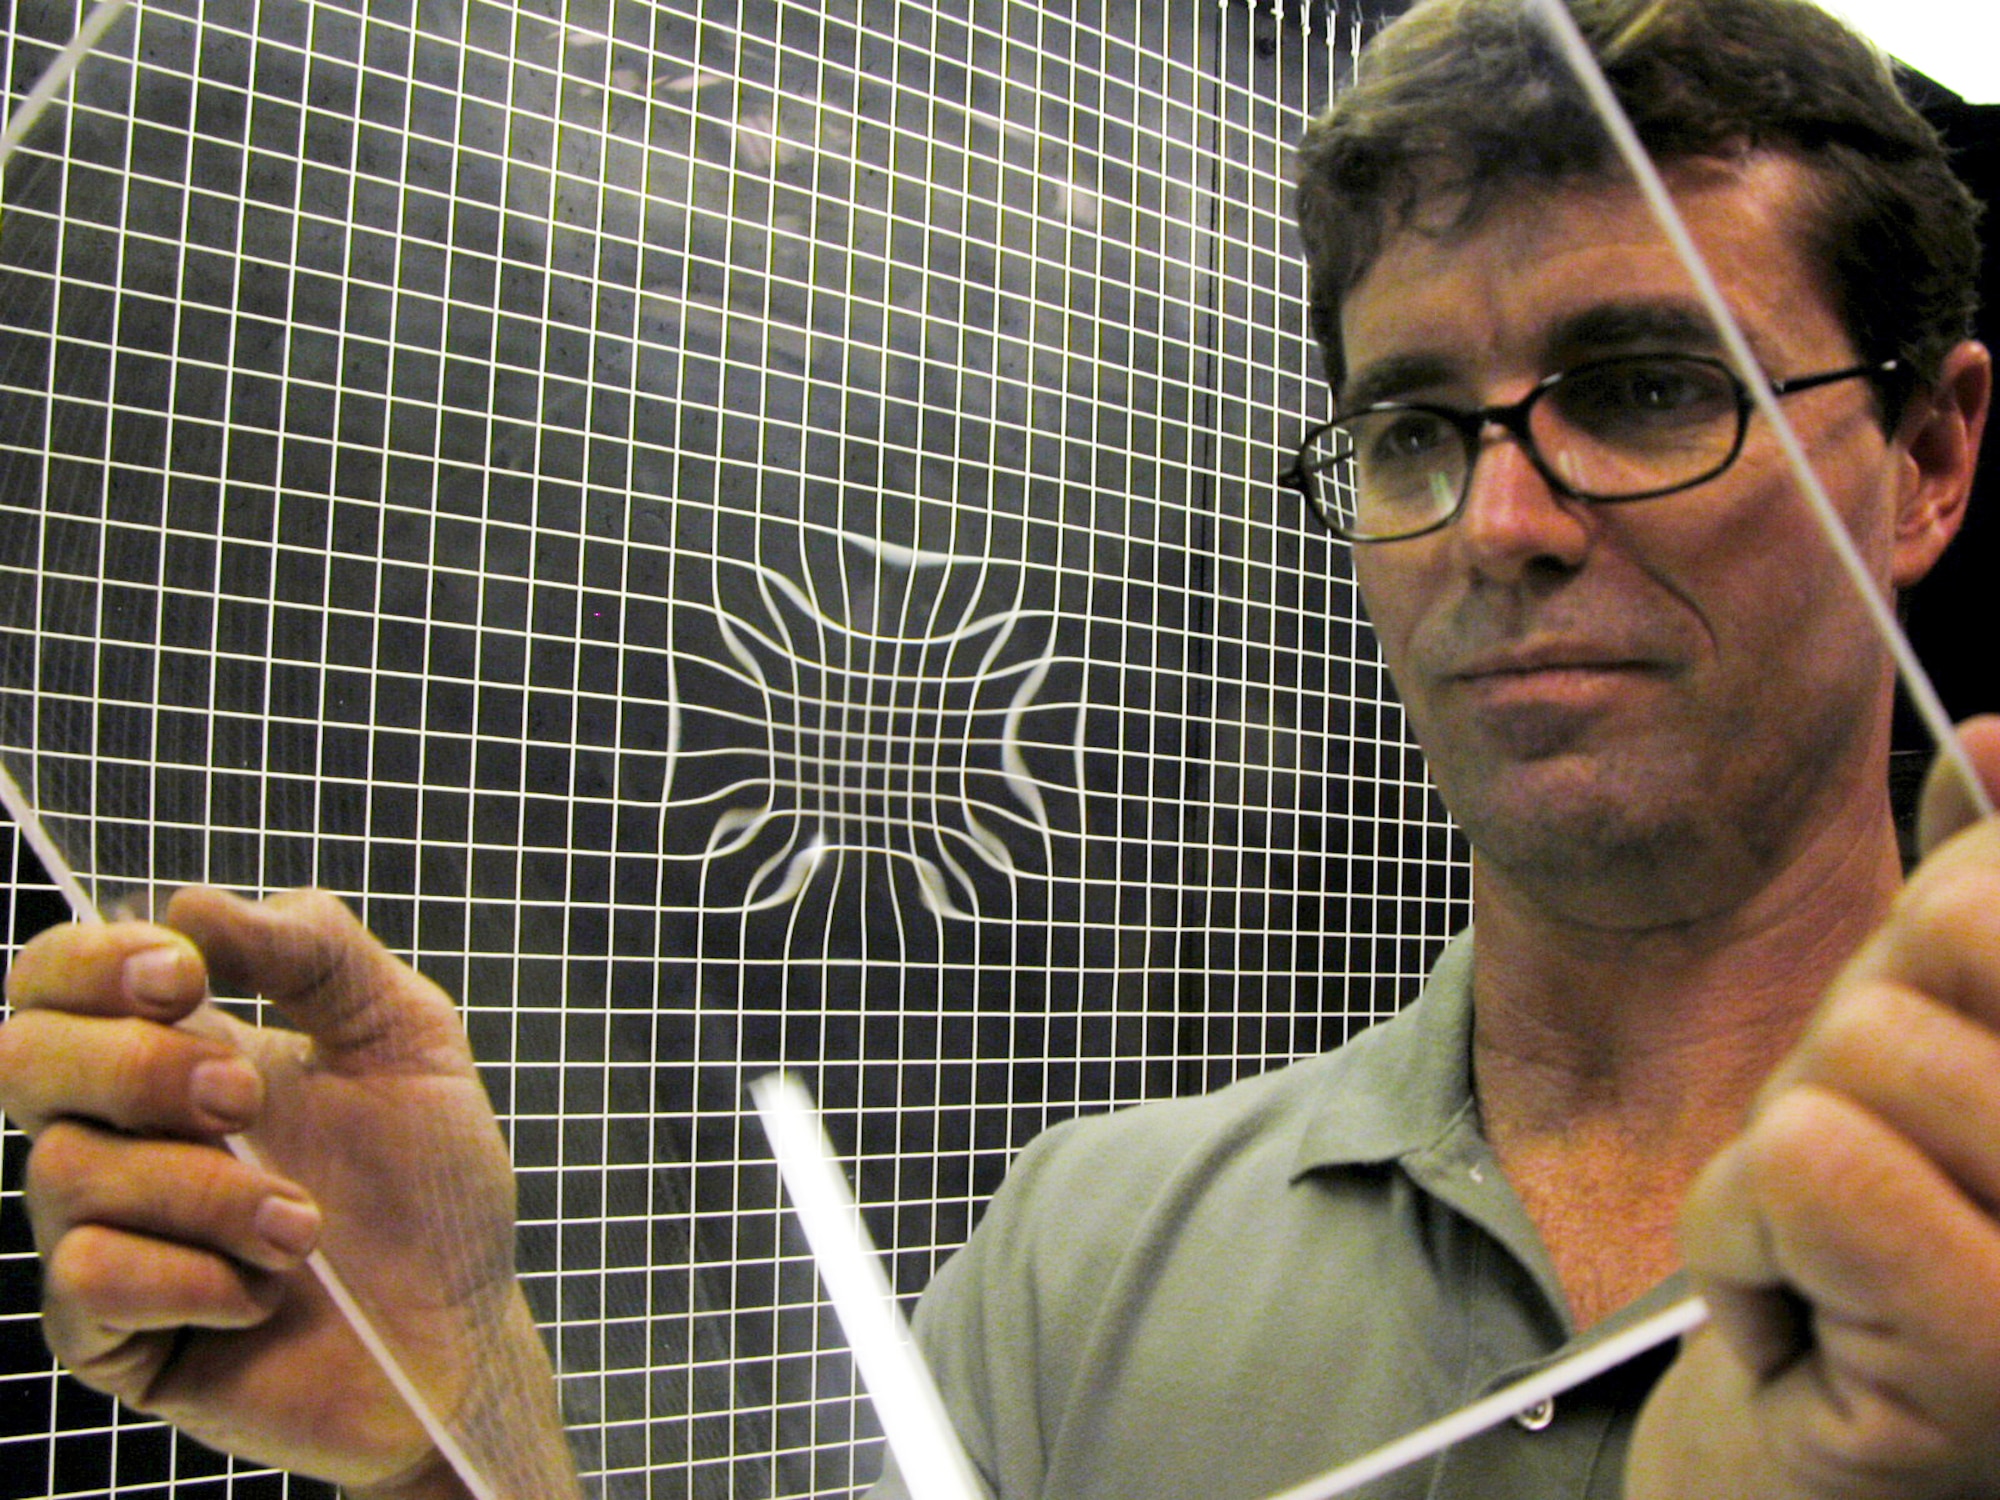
[(1611, 1063), (1649, 1018)]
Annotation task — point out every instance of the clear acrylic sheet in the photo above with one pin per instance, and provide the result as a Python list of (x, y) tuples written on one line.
[(733, 541), (693, 595)]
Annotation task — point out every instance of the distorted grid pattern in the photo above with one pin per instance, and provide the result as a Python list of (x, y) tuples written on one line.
[(736, 535)]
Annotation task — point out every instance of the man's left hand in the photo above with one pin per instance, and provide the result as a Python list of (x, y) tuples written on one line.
[(1848, 1241)]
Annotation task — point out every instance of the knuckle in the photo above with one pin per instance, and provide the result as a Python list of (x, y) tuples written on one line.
[(58, 1170), (1797, 1144), (76, 966), (185, 1193), (42, 951), (16, 1068), (318, 911), (128, 1371), (146, 1073), (213, 1190), (1852, 1027), (323, 938), (99, 1279), (1844, 1014), (82, 1313), (81, 1272), (38, 1054), (1948, 898), (121, 1071), (1878, 1434)]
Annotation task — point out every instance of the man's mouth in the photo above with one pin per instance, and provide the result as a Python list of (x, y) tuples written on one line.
[(1553, 659)]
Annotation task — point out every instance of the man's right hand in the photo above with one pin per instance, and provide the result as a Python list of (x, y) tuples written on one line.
[(175, 1275)]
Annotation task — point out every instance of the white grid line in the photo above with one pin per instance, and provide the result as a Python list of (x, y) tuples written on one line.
[(1087, 413)]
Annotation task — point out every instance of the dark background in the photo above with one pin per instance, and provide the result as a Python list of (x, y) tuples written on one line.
[(1951, 613)]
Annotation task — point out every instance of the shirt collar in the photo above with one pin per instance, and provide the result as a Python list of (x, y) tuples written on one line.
[(1402, 1092), (1402, 1085)]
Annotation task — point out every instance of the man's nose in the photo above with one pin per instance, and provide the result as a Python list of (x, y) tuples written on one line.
[(1514, 520)]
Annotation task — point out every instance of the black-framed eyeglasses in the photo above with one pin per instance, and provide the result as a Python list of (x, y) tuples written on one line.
[(1631, 427)]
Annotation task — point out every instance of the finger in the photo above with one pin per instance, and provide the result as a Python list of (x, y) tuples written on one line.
[(1727, 1246), (1901, 1271), (115, 969), (1942, 936), (306, 952), (1923, 1068), (101, 1286), (135, 1075), (116, 1305), (1948, 804), (196, 1195)]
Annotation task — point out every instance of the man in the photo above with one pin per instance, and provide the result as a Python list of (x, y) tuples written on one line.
[(1664, 726)]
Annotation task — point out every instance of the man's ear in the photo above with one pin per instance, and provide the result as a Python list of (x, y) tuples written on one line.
[(1938, 444)]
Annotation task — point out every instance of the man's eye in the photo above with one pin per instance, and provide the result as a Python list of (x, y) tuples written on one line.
[(1647, 393), (1661, 390), (1401, 438)]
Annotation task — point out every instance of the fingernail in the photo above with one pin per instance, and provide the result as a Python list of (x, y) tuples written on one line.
[(160, 976), (228, 1090), (287, 1225)]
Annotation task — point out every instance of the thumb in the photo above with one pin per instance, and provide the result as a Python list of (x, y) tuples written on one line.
[(1948, 804), (308, 954)]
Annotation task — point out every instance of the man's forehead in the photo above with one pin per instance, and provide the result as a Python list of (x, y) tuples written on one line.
[(1560, 272)]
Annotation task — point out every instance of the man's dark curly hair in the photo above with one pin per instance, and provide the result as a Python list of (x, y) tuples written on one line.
[(1463, 103)]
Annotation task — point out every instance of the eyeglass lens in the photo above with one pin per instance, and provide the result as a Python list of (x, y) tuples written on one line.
[(1612, 430)]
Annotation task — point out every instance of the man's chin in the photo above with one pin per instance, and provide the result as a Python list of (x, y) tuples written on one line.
[(1567, 810), (1538, 732)]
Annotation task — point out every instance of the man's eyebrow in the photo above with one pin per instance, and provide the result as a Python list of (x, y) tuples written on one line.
[(1392, 379), (1604, 328), (1612, 327)]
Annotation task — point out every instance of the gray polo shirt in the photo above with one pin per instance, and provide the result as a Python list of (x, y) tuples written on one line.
[(1221, 1297)]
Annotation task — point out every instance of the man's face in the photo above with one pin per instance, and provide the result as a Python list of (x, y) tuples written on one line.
[(1614, 695)]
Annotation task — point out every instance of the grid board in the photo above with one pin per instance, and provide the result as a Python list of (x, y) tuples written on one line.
[(734, 534)]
